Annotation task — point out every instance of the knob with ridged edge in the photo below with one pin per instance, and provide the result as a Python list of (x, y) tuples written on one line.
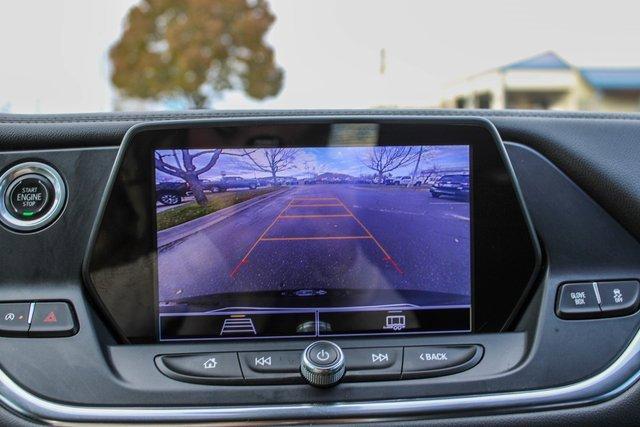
[(323, 364)]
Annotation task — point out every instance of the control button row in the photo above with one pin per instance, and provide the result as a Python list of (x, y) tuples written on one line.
[(589, 300), (37, 319), (283, 367)]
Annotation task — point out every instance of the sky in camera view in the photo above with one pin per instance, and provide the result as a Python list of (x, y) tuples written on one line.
[(313, 161), (56, 52)]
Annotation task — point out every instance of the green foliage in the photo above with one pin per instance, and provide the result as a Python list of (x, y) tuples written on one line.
[(189, 211), (195, 50)]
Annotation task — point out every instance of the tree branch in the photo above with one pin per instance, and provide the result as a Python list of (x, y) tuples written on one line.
[(210, 164)]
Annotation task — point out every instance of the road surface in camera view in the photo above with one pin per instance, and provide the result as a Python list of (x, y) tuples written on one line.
[(326, 236)]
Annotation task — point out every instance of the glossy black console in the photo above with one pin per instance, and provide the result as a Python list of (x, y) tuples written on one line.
[(269, 367)]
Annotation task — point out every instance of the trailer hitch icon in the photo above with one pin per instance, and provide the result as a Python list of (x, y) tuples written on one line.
[(395, 322)]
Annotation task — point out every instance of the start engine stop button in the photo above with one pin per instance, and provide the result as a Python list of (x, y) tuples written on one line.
[(29, 197), (32, 196)]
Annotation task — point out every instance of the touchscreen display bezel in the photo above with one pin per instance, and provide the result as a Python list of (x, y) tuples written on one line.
[(119, 266)]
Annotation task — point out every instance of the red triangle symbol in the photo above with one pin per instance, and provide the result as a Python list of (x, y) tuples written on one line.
[(51, 318)]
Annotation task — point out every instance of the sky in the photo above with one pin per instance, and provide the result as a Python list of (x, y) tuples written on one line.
[(345, 160), (55, 52)]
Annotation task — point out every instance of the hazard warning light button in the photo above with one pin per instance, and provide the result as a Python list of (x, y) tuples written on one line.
[(52, 319)]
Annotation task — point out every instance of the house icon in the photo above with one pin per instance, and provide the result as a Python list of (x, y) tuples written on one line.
[(210, 364)]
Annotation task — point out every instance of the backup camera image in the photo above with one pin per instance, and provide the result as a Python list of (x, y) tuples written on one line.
[(266, 242)]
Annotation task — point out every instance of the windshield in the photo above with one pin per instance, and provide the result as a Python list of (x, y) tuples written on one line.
[(79, 56)]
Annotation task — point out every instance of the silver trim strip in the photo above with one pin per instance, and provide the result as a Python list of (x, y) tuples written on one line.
[(617, 378), (597, 291), (32, 306)]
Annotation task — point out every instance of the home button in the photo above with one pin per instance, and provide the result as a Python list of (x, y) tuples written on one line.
[(210, 368)]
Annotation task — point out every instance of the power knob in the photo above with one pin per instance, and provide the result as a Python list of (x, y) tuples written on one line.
[(322, 364)]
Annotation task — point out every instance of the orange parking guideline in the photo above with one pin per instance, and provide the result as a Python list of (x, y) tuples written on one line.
[(386, 254), (316, 216), (275, 239), (315, 205), (244, 259), (315, 198), (291, 204)]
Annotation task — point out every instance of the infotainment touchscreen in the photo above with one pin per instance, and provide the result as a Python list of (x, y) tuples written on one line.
[(273, 241)]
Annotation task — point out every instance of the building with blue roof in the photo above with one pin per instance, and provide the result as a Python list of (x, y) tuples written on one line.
[(547, 82)]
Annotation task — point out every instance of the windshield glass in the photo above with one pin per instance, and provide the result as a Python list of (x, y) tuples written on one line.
[(134, 55)]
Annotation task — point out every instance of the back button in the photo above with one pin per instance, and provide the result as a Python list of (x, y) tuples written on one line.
[(431, 361)]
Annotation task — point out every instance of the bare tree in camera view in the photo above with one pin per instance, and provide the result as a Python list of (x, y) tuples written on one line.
[(272, 160), (424, 153), (434, 169), (195, 50), (183, 166), (387, 159)]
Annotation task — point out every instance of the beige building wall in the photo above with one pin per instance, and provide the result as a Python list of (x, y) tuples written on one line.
[(623, 102), (469, 89), (520, 88)]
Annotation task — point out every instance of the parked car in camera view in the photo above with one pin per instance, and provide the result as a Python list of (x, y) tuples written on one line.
[(172, 193), (419, 181), (228, 182), (451, 186), (286, 181), (404, 180), (425, 180), (398, 180)]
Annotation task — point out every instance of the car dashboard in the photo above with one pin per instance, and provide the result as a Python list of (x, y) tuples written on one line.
[(301, 267)]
